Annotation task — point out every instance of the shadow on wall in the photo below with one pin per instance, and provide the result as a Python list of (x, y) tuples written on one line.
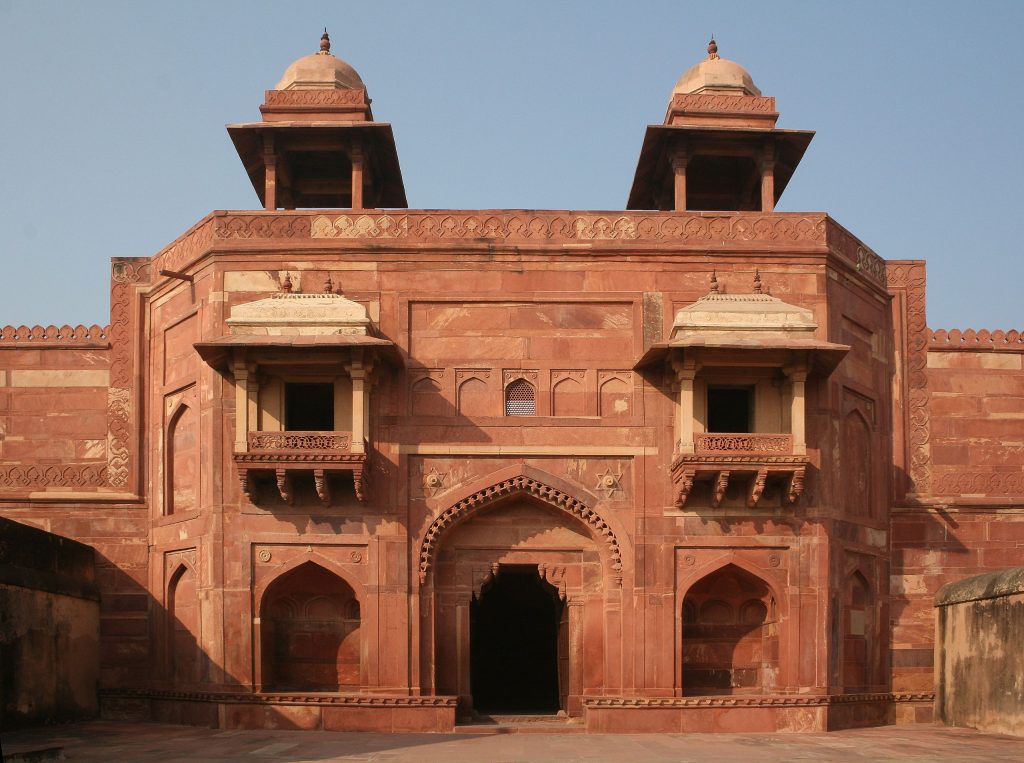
[(49, 627)]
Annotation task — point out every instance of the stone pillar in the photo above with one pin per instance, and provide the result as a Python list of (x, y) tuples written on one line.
[(241, 374), (577, 653), (798, 379), (462, 635), (270, 173), (767, 166), (358, 373), (679, 161), (252, 388), (356, 157), (685, 373)]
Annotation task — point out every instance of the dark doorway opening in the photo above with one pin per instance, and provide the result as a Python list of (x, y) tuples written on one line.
[(309, 407), (514, 644), (730, 409)]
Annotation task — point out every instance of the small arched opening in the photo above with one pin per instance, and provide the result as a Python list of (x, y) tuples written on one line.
[(730, 635), (858, 627), (309, 632), (183, 626)]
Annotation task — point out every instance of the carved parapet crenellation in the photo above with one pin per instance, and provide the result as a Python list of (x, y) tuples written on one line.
[(983, 339), (54, 336)]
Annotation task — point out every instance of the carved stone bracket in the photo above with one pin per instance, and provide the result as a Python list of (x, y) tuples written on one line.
[(796, 486), (721, 483), (323, 489), (555, 575), (685, 486), (787, 472), (757, 487), (284, 485)]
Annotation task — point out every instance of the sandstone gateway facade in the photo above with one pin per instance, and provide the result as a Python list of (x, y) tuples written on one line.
[(696, 465)]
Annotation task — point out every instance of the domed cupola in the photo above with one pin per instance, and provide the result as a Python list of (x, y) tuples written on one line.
[(718, 148), (716, 75), (320, 71), (318, 146)]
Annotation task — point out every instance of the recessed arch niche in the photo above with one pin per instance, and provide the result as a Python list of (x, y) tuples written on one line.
[(310, 632), (730, 638)]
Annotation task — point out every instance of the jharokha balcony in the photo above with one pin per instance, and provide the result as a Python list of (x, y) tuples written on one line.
[(289, 455), (756, 459)]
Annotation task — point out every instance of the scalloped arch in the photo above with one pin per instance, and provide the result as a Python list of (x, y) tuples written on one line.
[(507, 488)]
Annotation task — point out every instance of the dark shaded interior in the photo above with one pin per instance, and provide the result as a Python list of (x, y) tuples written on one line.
[(513, 644), (730, 409), (309, 407), (723, 183)]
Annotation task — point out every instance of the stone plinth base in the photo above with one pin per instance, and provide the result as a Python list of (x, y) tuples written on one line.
[(329, 712), (755, 713)]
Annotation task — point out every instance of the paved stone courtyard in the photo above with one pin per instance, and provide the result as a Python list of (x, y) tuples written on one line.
[(147, 743)]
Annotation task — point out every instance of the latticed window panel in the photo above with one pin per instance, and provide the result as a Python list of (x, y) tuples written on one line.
[(520, 399)]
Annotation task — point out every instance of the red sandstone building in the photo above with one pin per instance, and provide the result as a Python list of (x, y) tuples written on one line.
[(696, 465)]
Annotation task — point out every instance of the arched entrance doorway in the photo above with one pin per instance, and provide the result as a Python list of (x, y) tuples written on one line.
[(519, 567), (515, 649)]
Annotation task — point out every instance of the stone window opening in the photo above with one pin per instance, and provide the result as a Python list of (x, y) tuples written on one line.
[(520, 399), (730, 408), (308, 407)]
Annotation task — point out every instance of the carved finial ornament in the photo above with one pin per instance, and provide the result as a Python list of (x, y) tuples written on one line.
[(286, 284), (714, 282), (712, 49), (325, 43), (757, 281), (328, 285)]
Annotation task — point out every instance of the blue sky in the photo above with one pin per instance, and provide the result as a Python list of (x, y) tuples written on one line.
[(112, 140)]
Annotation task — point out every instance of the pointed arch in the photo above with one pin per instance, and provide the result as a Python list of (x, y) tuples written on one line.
[(858, 628), (183, 627), (568, 398), (529, 485), (857, 475), (312, 641), (730, 639), (181, 462)]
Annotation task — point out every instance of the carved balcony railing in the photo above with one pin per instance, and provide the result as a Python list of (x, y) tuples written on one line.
[(756, 459), (287, 455), (776, 444), (306, 442)]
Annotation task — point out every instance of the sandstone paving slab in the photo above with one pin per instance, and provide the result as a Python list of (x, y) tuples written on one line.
[(150, 743)]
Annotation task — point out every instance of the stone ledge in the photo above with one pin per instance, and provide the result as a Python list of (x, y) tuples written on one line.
[(991, 585)]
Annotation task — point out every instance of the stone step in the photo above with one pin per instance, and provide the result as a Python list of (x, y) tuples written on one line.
[(33, 754), (521, 724)]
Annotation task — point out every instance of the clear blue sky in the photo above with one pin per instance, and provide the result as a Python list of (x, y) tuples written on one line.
[(112, 140)]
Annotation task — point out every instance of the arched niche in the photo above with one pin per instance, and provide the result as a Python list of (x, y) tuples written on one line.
[(310, 632), (183, 626), (181, 461), (856, 473), (614, 398), (730, 638), (427, 398), (858, 627), (568, 398), (474, 399)]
